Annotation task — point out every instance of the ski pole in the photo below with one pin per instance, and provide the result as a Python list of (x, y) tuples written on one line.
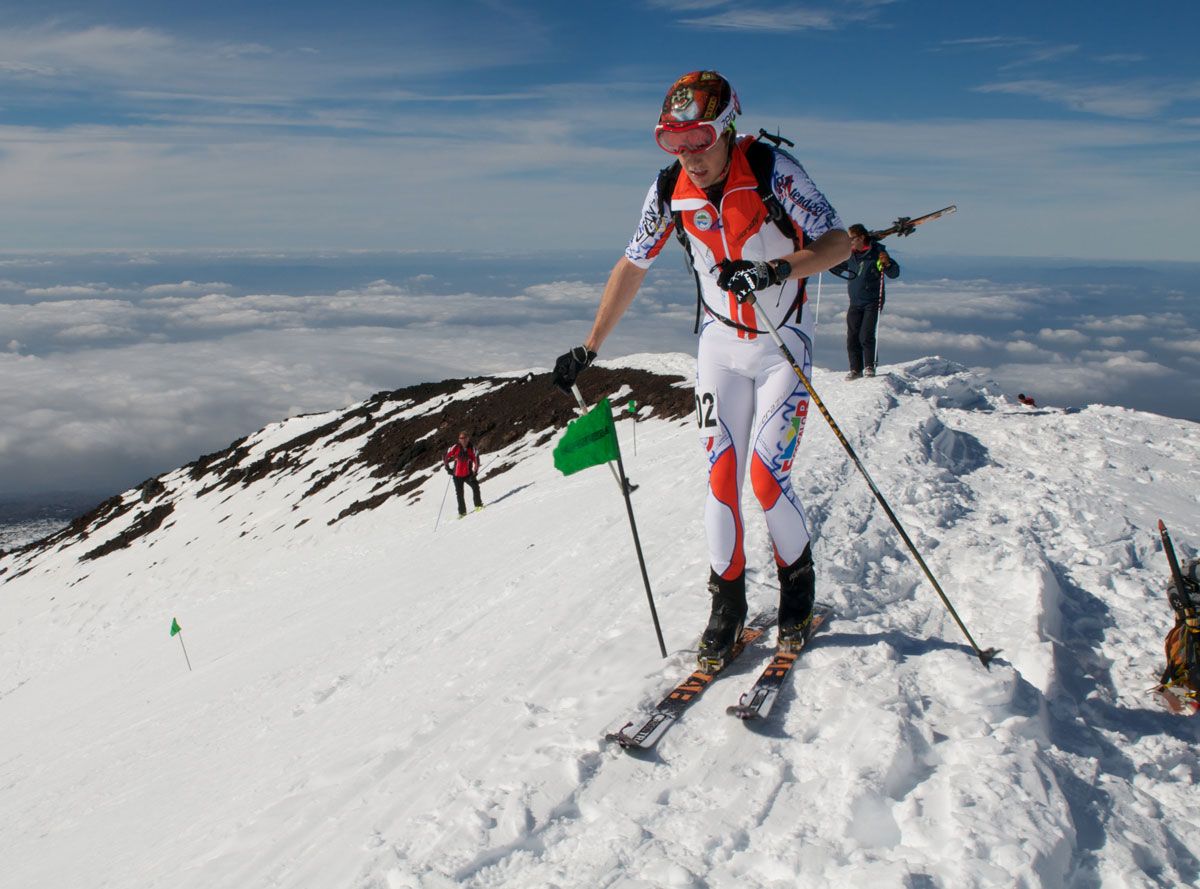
[(623, 484), (817, 316), (878, 315), (443, 506), (985, 657)]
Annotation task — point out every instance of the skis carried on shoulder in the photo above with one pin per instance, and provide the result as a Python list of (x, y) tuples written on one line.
[(906, 225), (644, 731), (757, 702)]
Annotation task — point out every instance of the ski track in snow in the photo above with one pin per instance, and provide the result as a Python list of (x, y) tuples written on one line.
[(376, 705)]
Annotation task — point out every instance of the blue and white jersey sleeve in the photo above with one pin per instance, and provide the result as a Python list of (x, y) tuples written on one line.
[(809, 209), (653, 231)]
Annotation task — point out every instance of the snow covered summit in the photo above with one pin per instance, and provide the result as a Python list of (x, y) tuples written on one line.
[(376, 702)]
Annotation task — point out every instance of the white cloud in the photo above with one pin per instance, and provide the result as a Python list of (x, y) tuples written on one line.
[(1126, 100), (1028, 350), (1063, 336), (185, 288), (1188, 341)]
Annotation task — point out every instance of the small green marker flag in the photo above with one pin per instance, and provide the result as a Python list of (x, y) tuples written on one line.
[(177, 630), (588, 441), (632, 406)]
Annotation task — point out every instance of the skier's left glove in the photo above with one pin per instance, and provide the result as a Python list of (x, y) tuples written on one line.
[(742, 276), (569, 366)]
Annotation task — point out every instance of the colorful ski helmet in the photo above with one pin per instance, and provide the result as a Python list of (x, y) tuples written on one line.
[(698, 109)]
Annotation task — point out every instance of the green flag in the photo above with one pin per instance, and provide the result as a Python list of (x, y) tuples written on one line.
[(632, 406), (588, 441), (175, 628)]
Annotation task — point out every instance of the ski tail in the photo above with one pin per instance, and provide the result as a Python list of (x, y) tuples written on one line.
[(756, 703), (645, 730)]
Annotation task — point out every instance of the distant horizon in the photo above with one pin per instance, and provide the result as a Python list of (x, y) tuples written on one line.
[(614, 251)]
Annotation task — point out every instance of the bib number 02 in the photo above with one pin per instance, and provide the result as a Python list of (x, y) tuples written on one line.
[(706, 414)]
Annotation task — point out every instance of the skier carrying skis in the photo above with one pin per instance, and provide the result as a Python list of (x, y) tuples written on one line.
[(864, 272), (750, 404), (462, 462)]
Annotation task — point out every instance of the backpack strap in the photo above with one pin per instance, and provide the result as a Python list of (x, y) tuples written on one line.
[(667, 177), (762, 162)]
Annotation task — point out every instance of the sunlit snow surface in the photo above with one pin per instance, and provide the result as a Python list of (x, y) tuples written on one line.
[(377, 704)]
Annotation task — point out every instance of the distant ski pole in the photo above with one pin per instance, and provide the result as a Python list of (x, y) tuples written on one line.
[(443, 506), (623, 484), (985, 656), (177, 630)]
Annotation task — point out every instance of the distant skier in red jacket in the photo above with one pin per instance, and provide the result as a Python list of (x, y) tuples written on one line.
[(462, 462)]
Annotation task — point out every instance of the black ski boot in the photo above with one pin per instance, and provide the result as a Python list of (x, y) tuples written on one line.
[(797, 591), (725, 623)]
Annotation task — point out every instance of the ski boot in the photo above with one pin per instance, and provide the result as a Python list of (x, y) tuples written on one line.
[(724, 623), (797, 591)]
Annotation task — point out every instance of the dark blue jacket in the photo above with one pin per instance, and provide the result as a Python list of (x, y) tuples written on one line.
[(864, 278)]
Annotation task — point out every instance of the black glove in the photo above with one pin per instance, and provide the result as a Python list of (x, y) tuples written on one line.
[(449, 470), (568, 366), (743, 277)]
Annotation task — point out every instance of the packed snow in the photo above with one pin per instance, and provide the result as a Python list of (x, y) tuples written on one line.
[(405, 700)]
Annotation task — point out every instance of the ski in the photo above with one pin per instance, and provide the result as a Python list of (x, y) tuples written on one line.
[(758, 701), (635, 735), (1179, 696), (1178, 700), (905, 226)]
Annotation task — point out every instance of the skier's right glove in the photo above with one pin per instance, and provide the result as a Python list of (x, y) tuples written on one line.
[(569, 366), (742, 277)]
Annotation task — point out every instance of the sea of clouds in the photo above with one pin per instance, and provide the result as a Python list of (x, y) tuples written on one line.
[(117, 366)]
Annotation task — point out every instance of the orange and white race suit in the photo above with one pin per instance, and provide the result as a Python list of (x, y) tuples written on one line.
[(750, 405)]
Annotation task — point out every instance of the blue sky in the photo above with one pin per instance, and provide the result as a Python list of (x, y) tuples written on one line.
[(220, 214), (1068, 129)]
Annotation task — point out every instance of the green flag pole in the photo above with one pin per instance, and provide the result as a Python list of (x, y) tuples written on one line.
[(177, 630), (633, 417), (623, 484)]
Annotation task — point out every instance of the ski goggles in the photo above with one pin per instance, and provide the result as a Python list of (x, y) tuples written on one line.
[(693, 137)]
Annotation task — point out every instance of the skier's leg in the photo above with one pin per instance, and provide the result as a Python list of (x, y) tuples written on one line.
[(724, 403), (458, 492), (783, 410), (870, 318), (854, 350), (780, 425)]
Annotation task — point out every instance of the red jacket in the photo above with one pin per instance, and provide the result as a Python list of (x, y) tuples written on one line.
[(466, 460)]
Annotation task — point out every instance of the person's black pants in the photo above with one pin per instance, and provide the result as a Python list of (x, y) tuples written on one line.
[(861, 322), (458, 491)]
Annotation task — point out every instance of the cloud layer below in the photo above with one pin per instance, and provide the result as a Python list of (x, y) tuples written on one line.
[(114, 367)]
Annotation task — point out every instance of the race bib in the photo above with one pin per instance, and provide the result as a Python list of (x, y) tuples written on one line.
[(706, 413)]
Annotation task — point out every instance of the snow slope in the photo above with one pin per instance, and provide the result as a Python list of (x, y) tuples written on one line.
[(376, 702)]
